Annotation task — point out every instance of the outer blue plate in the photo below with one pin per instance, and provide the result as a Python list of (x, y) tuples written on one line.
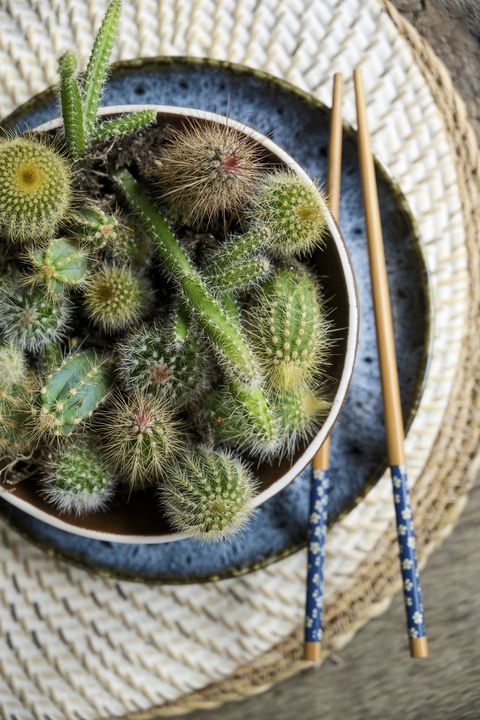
[(299, 124)]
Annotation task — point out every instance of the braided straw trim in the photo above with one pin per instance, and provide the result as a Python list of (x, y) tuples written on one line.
[(440, 494)]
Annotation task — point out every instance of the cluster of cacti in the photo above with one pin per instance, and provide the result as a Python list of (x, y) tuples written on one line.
[(131, 357)]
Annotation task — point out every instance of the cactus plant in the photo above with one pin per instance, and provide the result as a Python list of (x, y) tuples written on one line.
[(57, 266), (299, 412), (95, 227), (239, 277), (72, 393), (205, 171), (152, 362), (29, 316), (35, 189), (141, 437), (115, 297), (289, 328), (16, 439), (290, 212), (13, 366), (208, 493), (76, 479)]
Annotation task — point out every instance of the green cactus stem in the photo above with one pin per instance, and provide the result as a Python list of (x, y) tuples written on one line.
[(141, 437), (115, 297), (300, 413), (207, 171), (95, 227), (223, 330), (76, 480), (289, 328), (72, 393), (112, 129), (97, 68), (236, 250), (30, 317), (17, 442), (150, 361), (71, 104), (57, 266), (208, 494), (290, 211), (239, 277), (35, 189)]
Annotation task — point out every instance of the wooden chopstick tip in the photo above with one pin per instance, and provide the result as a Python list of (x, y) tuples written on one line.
[(418, 647), (312, 651)]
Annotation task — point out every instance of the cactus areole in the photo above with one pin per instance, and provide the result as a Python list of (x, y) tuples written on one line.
[(166, 340)]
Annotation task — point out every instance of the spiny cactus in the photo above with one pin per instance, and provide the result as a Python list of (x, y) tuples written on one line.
[(141, 437), (152, 362), (13, 366), (57, 266), (208, 494), (76, 479), (289, 328), (72, 393), (16, 439), (220, 326), (35, 189), (129, 246), (206, 171), (299, 413), (29, 316), (80, 103), (115, 297), (95, 227), (290, 211), (239, 277)]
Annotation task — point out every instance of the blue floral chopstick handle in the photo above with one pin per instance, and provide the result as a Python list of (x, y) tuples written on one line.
[(408, 554), (317, 530)]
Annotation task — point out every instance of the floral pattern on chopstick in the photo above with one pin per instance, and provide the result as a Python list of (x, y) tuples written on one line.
[(317, 529)]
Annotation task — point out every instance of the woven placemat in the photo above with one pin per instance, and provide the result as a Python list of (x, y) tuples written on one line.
[(76, 645)]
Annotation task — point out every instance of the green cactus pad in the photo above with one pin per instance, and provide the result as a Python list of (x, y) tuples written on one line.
[(77, 480), (30, 317), (72, 393), (208, 494), (290, 212), (140, 437), (59, 265), (35, 189), (289, 328), (152, 362), (115, 297)]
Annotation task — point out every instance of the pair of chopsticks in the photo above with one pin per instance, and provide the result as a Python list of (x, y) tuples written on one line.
[(391, 400)]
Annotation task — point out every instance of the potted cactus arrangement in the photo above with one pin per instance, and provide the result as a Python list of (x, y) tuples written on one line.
[(161, 325)]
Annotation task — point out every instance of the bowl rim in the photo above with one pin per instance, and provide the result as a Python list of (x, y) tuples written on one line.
[(305, 458)]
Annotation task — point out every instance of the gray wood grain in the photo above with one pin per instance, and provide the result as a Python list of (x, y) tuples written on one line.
[(373, 677)]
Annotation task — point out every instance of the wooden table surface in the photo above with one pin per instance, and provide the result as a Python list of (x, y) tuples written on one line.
[(373, 677)]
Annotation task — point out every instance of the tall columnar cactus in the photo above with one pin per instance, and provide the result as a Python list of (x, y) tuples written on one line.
[(57, 266), (80, 101), (223, 330), (289, 328), (208, 494), (206, 171), (77, 480), (35, 189), (72, 393), (290, 211), (29, 316), (115, 297), (141, 437), (152, 362)]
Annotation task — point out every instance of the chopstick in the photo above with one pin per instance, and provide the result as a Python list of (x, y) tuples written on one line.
[(390, 385), (320, 485)]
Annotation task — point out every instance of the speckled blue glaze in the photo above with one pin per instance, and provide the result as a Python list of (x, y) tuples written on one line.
[(358, 441)]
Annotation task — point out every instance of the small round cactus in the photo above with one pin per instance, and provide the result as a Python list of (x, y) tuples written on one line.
[(140, 436), (30, 317), (206, 171), (57, 266), (96, 227), (35, 189), (208, 494), (152, 362), (290, 212), (289, 328), (77, 480), (12, 365), (115, 297)]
